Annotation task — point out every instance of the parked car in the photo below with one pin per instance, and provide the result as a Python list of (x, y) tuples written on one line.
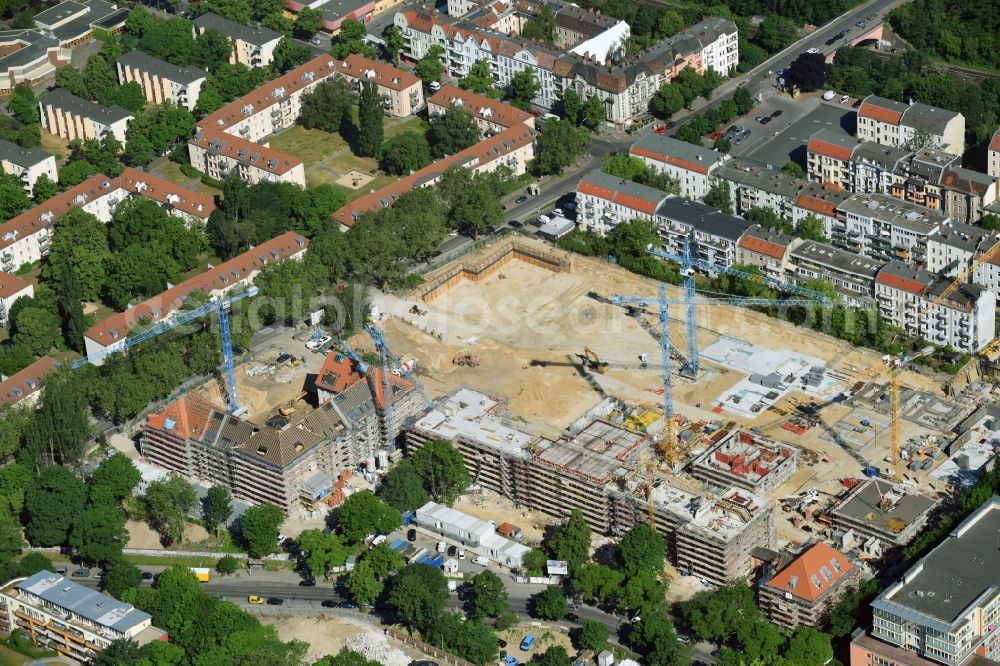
[(255, 600), (315, 41), (777, 113), (521, 199), (558, 212), (146, 575), (275, 601), (766, 120), (661, 129), (411, 534), (329, 603), (319, 343), (845, 99), (81, 573), (452, 551), (516, 224)]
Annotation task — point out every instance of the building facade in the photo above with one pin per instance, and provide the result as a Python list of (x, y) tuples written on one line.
[(71, 117), (993, 155), (802, 592), (896, 124), (767, 250), (161, 81), (604, 201), (27, 164), (491, 115), (754, 184), (253, 46), (691, 166), (851, 275), (27, 384), (11, 289)]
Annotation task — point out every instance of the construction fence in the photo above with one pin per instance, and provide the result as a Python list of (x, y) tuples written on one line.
[(426, 648)]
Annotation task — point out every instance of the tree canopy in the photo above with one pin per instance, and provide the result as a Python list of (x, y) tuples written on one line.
[(442, 468)]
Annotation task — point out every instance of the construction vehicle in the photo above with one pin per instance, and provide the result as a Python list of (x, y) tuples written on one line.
[(417, 311), (219, 305), (289, 407), (593, 361), (466, 359)]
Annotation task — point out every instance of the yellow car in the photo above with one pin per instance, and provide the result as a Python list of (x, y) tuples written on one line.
[(254, 599)]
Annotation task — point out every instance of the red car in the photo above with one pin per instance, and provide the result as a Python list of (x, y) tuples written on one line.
[(661, 129), (716, 135)]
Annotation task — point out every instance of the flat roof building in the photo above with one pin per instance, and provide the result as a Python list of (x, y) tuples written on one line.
[(853, 276), (477, 535), (946, 608), (878, 509)]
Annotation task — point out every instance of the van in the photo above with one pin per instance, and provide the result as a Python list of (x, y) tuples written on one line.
[(480, 560), (379, 539), (550, 116), (828, 95), (435, 86)]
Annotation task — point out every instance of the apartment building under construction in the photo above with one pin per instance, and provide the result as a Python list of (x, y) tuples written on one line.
[(747, 461), (593, 468)]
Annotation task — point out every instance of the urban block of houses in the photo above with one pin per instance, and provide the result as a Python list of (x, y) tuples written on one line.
[(237, 273), (954, 248), (27, 164), (75, 621), (625, 88), (27, 384), (511, 149), (25, 238), (896, 124), (231, 137), (492, 116), (71, 117), (883, 227), (253, 46), (755, 184), (691, 166), (853, 276), (160, 80), (946, 608), (335, 12), (802, 592), (12, 288), (767, 250)]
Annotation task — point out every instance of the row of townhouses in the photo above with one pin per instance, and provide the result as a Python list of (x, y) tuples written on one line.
[(904, 293), (232, 137), (588, 56), (930, 177)]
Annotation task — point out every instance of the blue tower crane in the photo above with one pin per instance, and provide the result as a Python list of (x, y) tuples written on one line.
[(362, 366), (688, 265), (383, 352), (220, 305)]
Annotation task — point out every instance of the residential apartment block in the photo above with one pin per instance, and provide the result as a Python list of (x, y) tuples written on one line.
[(27, 164), (625, 88), (161, 81), (492, 116), (896, 124), (828, 157), (27, 384), (237, 273), (592, 470), (604, 201), (401, 92), (745, 460), (12, 288), (766, 249), (993, 155), (851, 275), (964, 320), (75, 621), (803, 591), (946, 608), (692, 166), (883, 227), (755, 184), (954, 248), (876, 509), (253, 46), (71, 117)]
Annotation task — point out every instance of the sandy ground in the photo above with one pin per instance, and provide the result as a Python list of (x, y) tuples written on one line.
[(328, 636), (544, 639), (141, 535), (490, 506)]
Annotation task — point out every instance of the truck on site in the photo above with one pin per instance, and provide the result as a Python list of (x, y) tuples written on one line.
[(203, 574)]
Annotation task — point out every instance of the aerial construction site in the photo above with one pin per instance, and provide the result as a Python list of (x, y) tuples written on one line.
[(556, 396)]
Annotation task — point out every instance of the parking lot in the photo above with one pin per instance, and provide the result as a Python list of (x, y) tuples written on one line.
[(785, 138)]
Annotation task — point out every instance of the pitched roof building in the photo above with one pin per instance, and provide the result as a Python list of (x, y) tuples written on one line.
[(253, 46), (691, 166), (802, 592), (160, 80), (27, 164), (895, 124), (491, 115), (27, 383), (71, 117), (12, 288)]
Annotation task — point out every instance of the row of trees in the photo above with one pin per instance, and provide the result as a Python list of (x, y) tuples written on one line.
[(686, 87), (700, 124), (948, 30)]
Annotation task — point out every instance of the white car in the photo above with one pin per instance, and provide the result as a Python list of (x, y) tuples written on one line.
[(319, 343), (442, 546), (557, 212), (845, 99), (461, 553)]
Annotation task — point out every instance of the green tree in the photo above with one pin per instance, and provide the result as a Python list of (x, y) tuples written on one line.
[(51, 503), (288, 55), (363, 585), (32, 563), (61, 426), (100, 78), (394, 43), (430, 67), (121, 576), (346, 657), (11, 541), (524, 87), (322, 551), (690, 85), (211, 50), (593, 112), (13, 198), (403, 488), (642, 549), (113, 481), (23, 105), (642, 590), (480, 79), (71, 309), (370, 128), (776, 32), (719, 196), (812, 228), (227, 565), (259, 527), (14, 419), (362, 513), (809, 647), (452, 132), (36, 329), (489, 595), (593, 636), (351, 39), (81, 243), (572, 106), (555, 655), (744, 100), (534, 561), (671, 22), (44, 188), (541, 26), (570, 541), (550, 603), (655, 637), (217, 507), (853, 609), (793, 169), (558, 146), (442, 468), (121, 652), (722, 144), (308, 22), (717, 614), (406, 152), (168, 502), (597, 582), (417, 595)]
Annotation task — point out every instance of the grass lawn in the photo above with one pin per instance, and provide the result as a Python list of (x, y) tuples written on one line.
[(307, 145), (172, 171), (204, 259), (10, 658)]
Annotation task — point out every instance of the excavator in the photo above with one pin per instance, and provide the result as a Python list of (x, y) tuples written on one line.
[(289, 407), (594, 362)]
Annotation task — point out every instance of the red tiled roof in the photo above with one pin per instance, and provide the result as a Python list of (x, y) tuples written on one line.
[(485, 151), (500, 113), (379, 388), (900, 282), (164, 192), (670, 159), (995, 141), (816, 204), (27, 381), (819, 563), (46, 213), (879, 113), (338, 373), (117, 326), (761, 246), (189, 414), (842, 153), (387, 76), (633, 202), (246, 152), (11, 284)]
